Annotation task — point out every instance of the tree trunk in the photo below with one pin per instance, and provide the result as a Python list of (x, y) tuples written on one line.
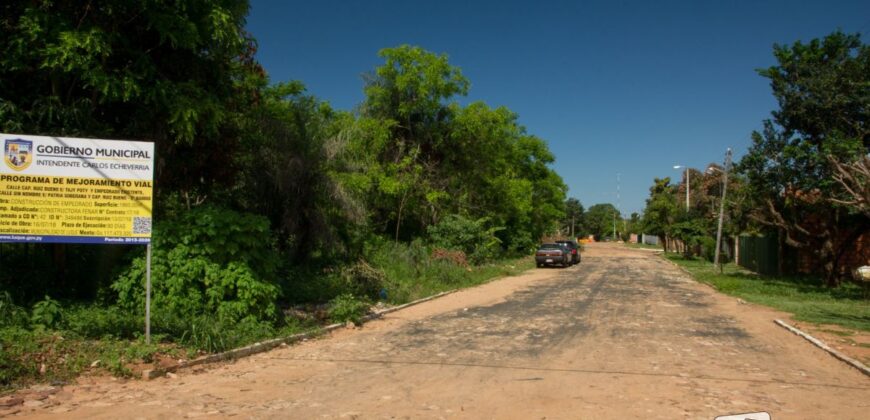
[(399, 216), (844, 245), (826, 254)]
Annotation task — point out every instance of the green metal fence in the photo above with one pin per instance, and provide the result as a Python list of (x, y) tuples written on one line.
[(759, 254)]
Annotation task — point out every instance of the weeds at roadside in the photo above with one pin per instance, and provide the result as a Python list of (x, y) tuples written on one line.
[(347, 308), (55, 342)]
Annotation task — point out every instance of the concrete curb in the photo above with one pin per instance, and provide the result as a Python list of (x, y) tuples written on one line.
[(267, 345), (820, 344)]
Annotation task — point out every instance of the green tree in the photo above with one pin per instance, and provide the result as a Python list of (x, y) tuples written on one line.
[(300, 172), (573, 217), (410, 94), (600, 219), (661, 210), (176, 73), (854, 178), (430, 157), (823, 93)]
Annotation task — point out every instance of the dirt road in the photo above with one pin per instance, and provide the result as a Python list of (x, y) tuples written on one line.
[(623, 335)]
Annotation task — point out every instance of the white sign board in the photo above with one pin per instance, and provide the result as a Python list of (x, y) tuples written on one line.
[(72, 190)]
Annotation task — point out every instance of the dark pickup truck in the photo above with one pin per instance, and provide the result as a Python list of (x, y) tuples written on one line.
[(575, 250)]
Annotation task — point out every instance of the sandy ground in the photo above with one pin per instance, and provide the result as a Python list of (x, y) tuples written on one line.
[(623, 335)]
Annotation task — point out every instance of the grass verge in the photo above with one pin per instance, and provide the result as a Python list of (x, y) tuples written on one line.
[(100, 340), (643, 246), (804, 297)]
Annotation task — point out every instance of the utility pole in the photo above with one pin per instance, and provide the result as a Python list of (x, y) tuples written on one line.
[(687, 188), (721, 207), (614, 226), (687, 183), (572, 227), (618, 205)]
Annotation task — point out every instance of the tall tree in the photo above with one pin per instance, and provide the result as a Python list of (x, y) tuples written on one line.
[(601, 219), (661, 209), (410, 92), (573, 221), (176, 73), (824, 103), (431, 157), (297, 172), (854, 178)]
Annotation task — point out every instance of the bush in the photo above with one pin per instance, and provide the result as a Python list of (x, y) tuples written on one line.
[(472, 237), (210, 261), (304, 284), (519, 241), (96, 322), (11, 315), (15, 345), (361, 279), (708, 247), (346, 307), (410, 273), (46, 313)]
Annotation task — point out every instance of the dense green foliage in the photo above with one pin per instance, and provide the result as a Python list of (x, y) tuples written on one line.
[(208, 261), (430, 158), (265, 197), (472, 237), (170, 72), (824, 96), (791, 180), (602, 219), (574, 218)]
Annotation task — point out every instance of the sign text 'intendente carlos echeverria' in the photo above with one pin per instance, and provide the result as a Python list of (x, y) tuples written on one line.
[(72, 190)]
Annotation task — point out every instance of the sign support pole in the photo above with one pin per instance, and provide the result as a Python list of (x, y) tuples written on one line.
[(148, 293)]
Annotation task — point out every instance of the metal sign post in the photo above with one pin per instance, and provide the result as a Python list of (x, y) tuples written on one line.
[(148, 293)]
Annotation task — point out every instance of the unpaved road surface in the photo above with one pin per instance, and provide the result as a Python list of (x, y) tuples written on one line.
[(623, 335)]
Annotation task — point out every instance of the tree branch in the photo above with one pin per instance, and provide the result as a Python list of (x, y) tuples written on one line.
[(854, 178)]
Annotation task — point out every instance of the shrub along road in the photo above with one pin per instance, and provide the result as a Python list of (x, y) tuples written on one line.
[(623, 335)]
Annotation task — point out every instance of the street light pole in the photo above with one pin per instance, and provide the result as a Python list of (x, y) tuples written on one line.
[(687, 183), (722, 208)]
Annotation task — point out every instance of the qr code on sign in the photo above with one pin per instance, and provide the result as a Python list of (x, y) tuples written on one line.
[(141, 225)]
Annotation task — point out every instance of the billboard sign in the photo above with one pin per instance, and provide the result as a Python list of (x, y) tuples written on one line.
[(72, 190)]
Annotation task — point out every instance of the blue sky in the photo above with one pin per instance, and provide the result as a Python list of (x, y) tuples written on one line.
[(613, 87)]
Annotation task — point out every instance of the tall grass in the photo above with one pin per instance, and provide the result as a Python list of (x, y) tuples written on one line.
[(411, 274)]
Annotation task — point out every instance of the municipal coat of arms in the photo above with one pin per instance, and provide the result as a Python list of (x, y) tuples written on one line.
[(18, 154)]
